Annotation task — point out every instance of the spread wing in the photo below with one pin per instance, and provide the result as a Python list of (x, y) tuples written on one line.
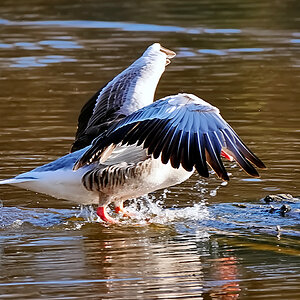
[(103, 109), (183, 130)]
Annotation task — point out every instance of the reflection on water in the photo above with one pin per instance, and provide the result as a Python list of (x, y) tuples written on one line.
[(42, 61), (201, 239), (198, 251)]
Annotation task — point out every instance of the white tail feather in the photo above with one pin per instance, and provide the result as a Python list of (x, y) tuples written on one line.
[(16, 180)]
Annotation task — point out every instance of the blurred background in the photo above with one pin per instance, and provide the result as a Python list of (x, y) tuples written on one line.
[(205, 239)]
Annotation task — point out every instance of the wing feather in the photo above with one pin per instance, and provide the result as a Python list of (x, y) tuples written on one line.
[(186, 160), (246, 151), (200, 164), (158, 138), (152, 134), (164, 133), (175, 149), (104, 108), (237, 155), (166, 149), (213, 149), (183, 130)]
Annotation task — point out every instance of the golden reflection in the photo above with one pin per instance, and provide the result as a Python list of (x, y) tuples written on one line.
[(225, 269), (149, 260)]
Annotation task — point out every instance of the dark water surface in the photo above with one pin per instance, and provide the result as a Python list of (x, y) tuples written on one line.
[(202, 239)]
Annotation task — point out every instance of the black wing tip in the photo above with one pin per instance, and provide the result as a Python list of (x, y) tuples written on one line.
[(251, 157), (250, 170), (202, 170), (224, 177), (261, 165)]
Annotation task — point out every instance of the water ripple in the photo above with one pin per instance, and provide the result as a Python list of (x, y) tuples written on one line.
[(36, 61), (146, 211), (126, 26)]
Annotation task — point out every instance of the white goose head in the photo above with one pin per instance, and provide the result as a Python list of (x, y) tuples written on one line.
[(157, 52)]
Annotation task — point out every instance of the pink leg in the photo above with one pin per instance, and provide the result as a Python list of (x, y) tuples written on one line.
[(101, 212), (120, 209)]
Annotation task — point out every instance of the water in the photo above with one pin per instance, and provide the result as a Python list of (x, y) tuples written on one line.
[(201, 239)]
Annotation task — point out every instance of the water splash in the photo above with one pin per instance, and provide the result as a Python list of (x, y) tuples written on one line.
[(150, 210), (198, 219), (202, 187), (146, 210)]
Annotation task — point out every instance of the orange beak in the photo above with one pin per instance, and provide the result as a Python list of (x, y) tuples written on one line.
[(170, 54)]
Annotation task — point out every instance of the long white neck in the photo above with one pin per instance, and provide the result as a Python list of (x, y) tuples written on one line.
[(148, 71)]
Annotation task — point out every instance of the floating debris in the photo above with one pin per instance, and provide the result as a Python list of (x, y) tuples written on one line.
[(281, 198)]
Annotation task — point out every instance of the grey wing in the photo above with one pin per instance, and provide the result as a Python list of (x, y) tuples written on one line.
[(126, 153), (182, 130), (103, 109), (126, 161)]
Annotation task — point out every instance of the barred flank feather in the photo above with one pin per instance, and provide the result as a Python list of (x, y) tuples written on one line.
[(114, 176)]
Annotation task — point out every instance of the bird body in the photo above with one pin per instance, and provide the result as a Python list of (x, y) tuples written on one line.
[(127, 180), (57, 179), (116, 179), (127, 146)]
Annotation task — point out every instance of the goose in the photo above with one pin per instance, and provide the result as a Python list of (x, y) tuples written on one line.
[(126, 147), (129, 91)]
